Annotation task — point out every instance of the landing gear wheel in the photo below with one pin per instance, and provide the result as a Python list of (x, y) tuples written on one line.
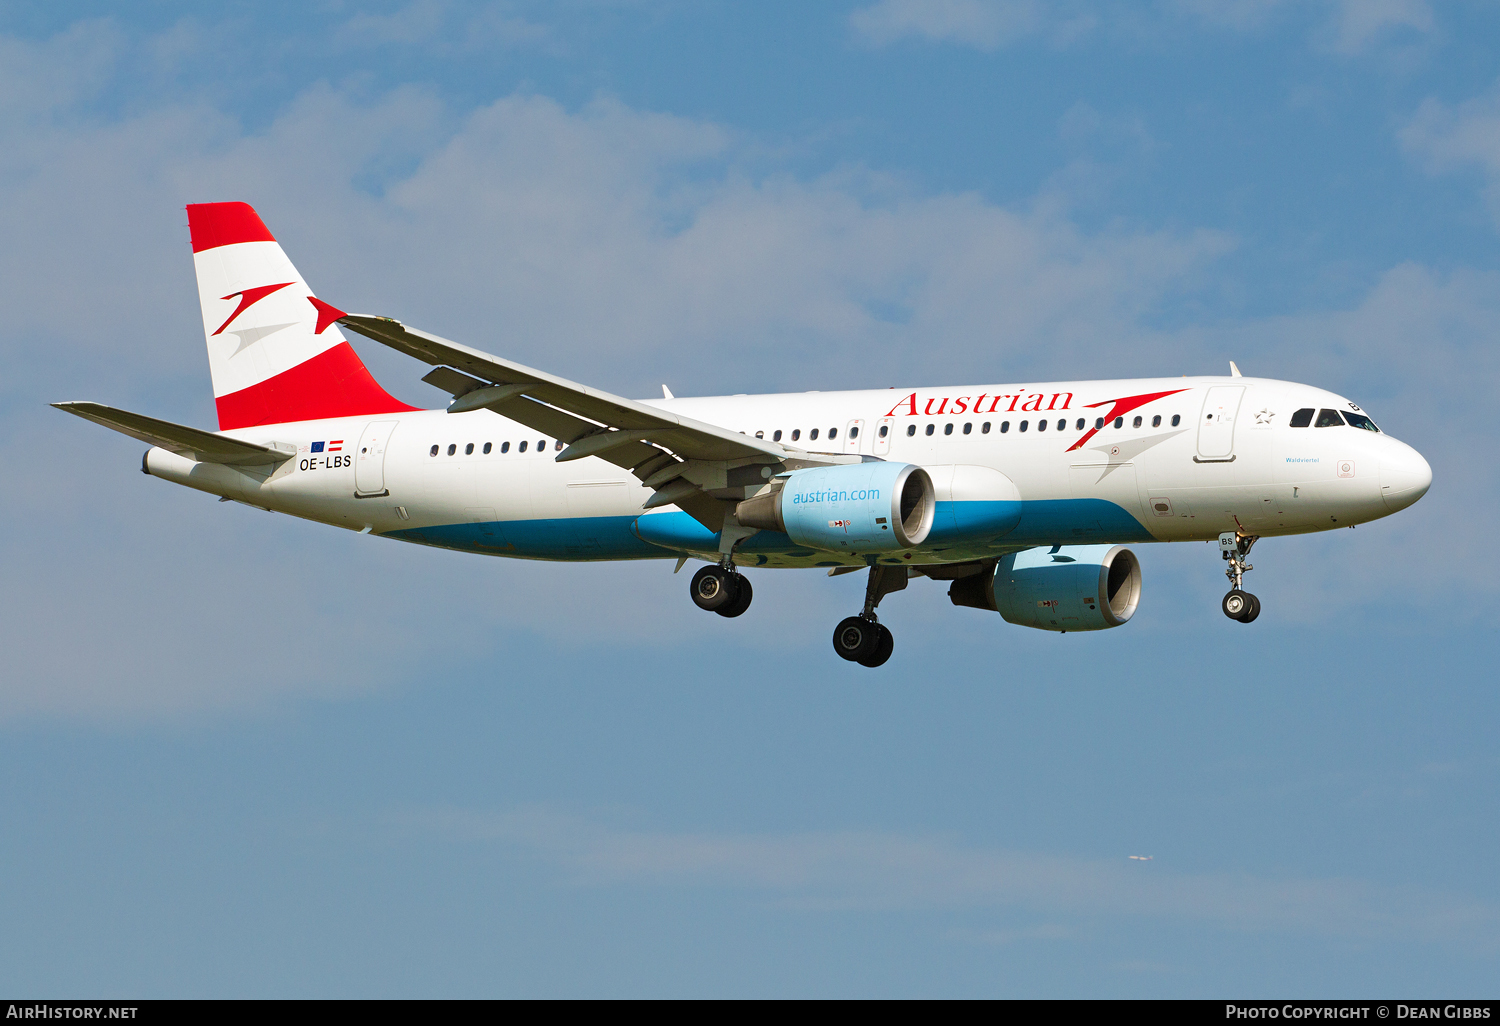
[(742, 600), (856, 639), (713, 588), (884, 645), (1241, 606)]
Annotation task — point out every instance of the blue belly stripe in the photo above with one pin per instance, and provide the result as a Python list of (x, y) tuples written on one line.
[(659, 535)]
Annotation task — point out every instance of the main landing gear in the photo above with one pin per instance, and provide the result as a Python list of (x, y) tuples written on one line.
[(864, 639), (1238, 604), (722, 589)]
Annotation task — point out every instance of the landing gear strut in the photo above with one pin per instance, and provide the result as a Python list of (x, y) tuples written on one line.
[(1238, 604), (721, 588), (864, 639)]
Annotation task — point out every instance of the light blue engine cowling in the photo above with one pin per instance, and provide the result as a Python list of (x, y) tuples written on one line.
[(854, 507), (1071, 588)]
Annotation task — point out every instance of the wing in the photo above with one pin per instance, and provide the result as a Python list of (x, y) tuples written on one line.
[(195, 444), (701, 467)]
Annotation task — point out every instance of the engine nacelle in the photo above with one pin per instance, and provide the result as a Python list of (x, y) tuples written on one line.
[(1075, 588), (853, 507)]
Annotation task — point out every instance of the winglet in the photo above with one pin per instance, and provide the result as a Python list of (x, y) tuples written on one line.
[(1234, 372), (666, 393)]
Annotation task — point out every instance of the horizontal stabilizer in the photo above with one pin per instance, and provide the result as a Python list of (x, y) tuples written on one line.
[(195, 444)]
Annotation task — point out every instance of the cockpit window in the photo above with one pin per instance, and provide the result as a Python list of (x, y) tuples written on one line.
[(1303, 417), (1329, 418), (1359, 420)]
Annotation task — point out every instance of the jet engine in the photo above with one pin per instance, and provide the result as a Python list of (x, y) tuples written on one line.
[(1066, 588), (853, 507)]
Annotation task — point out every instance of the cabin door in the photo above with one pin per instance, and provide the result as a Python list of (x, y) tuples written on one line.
[(1216, 422)]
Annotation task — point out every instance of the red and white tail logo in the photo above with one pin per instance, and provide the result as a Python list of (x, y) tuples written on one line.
[(273, 349)]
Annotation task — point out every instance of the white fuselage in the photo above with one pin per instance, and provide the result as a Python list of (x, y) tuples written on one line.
[(1208, 455)]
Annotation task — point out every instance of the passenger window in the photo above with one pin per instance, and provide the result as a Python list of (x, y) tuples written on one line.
[(469, 449), (1302, 417), (885, 429), (1176, 419), (1119, 423), (984, 428), (833, 433), (776, 435), (1079, 425), (1099, 424), (505, 447), (434, 451), (796, 433), (521, 447), (1025, 424), (1329, 418), (812, 436), (1136, 422), (930, 428), (1359, 420), (1062, 423), (1004, 426), (948, 428), (760, 434), (968, 429), (452, 449), (1041, 425), (1156, 421), (558, 445), (854, 432), (487, 448), (911, 429)]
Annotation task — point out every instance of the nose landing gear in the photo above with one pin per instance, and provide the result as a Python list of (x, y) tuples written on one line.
[(864, 639), (1238, 604)]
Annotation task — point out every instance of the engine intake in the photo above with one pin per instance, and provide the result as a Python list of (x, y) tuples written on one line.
[(854, 507), (1072, 588)]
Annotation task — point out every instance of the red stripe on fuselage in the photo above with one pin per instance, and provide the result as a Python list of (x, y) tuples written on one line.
[(223, 224), (1121, 407), (332, 384)]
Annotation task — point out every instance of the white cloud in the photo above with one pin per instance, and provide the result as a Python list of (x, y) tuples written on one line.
[(983, 24), (1241, 15), (868, 870), (439, 23), (1360, 24), (1448, 138), (1351, 26)]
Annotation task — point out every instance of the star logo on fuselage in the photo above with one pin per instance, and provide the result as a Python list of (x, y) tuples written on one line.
[(1264, 417)]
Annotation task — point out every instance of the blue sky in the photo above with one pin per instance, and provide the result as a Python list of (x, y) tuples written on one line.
[(245, 755)]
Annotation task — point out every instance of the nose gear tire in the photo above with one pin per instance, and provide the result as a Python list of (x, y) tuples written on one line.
[(1241, 605), (1252, 612)]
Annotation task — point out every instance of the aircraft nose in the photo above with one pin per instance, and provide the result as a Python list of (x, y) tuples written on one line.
[(1404, 477)]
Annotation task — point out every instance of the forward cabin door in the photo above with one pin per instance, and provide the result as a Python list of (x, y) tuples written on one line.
[(854, 435), (1216, 423), (369, 459)]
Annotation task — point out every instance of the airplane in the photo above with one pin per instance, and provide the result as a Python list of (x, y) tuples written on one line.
[(1022, 498)]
